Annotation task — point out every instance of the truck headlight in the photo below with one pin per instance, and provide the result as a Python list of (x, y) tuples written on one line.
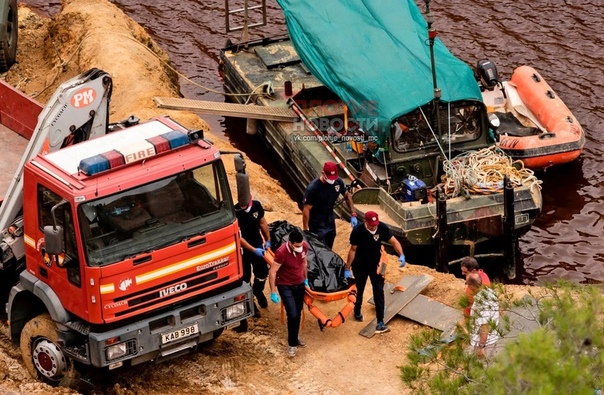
[(235, 311), (116, 351)]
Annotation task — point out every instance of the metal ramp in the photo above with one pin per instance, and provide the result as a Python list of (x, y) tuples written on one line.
[(416, 307), (226, 109), (396, 301)]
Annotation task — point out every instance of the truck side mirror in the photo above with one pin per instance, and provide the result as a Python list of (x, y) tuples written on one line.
[(53, 234), (53, 239)]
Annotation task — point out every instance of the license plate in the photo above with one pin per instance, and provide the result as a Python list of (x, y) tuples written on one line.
[(179, 334)]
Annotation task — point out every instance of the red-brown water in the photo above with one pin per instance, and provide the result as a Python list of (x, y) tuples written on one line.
[(562, 39)]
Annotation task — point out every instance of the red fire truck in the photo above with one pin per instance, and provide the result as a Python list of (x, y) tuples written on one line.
[(121, 240)]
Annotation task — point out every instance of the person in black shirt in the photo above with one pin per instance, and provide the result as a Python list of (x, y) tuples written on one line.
[(319, 200), (253, 226), (364, 260)]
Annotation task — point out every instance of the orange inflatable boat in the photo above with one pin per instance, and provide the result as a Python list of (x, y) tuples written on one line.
[(536, 126)]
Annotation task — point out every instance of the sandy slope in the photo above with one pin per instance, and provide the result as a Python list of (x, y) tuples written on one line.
[(94, 33)]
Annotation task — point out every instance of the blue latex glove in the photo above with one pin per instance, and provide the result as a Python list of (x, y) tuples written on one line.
[(306, 282), (259, 252), (354, 221), (274, 297), (347, 274), (267, 245), (401, 259)]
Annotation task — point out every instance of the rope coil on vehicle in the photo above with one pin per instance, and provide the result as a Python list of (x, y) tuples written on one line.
[(482, 172)]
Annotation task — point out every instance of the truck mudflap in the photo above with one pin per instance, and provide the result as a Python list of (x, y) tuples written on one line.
[(172, 333)]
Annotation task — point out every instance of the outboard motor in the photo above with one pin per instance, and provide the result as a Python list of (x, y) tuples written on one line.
[(487, 72)]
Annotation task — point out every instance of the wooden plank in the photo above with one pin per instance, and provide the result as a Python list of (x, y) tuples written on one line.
[(431, 313), (425, 310), (396, 301), (226, 109)]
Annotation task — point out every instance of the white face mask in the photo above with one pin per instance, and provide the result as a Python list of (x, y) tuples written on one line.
[(330, 182), (298, 249)]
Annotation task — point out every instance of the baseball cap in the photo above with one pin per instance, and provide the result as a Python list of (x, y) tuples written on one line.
[(371, 218), (331, 170)]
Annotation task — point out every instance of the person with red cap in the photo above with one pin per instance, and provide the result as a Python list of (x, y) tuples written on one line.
[(364, 260), (319, 200)]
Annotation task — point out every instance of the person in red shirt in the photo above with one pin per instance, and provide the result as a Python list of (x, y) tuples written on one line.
[(288, 275), (470, 265)]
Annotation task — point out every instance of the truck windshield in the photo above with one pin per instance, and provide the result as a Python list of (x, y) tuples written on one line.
[(155, 215)]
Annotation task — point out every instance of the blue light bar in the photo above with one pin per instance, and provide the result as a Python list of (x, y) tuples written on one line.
[(134, 152), (94, 164), (176, 138)]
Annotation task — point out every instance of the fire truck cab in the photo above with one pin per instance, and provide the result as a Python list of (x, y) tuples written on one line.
[(132, 252)]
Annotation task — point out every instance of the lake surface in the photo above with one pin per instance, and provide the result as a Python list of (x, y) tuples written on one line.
[(562, 39)]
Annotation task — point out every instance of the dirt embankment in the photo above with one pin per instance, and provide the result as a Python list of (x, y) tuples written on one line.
[(95, 33)]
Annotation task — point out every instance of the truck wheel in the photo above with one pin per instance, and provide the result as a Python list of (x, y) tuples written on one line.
[(9, 31), (41, 353)]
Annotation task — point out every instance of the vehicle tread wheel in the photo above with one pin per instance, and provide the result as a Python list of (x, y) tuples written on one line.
[(9, 31), (40, 339)]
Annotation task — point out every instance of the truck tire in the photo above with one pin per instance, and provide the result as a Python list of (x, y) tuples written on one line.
[(9, 32), (42, 355)]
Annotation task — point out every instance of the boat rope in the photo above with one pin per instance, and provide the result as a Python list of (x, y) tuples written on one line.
[(64, 62), (268, 92), (433, 134), (449, 123), (482, 172)]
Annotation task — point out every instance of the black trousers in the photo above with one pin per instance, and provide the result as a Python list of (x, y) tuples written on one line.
[(377, 284), (293, 300), (325, 234), (255, 263)]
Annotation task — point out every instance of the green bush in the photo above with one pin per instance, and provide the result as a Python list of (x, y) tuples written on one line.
[(562, 355)]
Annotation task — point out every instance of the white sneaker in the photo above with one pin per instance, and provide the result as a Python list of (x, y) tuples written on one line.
[(301, 343), (291, 351)]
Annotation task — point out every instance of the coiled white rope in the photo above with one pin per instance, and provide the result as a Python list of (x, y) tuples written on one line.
[(482, 172)]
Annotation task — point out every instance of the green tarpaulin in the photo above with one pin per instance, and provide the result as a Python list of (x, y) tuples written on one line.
[(374, 55)]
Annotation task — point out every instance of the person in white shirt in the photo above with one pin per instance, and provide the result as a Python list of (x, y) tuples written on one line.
[(484, 317)]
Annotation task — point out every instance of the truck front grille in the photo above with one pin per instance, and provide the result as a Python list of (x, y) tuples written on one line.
[(176, 290)]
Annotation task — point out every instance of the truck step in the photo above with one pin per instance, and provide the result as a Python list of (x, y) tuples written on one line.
[(79, 326)]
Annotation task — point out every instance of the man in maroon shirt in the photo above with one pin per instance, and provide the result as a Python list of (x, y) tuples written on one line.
[(288, 275)]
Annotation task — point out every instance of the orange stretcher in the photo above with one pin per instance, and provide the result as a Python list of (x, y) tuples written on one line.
[(350, 294)]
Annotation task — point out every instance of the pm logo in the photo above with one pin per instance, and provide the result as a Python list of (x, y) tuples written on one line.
[(337, 188), (172, 290), (376, 237), (255, 215), (83, 97)]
